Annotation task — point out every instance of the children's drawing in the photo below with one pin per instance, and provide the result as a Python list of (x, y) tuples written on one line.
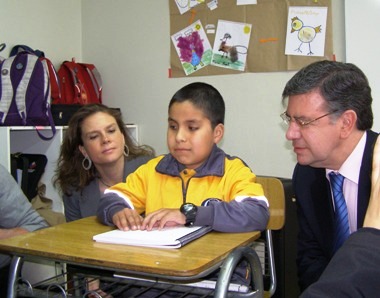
[(193, 47), (186, 5), (231, 45), (306, 31)]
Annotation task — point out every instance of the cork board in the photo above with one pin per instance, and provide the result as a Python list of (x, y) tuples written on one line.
[(269, 20)]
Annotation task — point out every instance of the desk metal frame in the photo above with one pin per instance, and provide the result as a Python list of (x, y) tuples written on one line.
[(208, 252)]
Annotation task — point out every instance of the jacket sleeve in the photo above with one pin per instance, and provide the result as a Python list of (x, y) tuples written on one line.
[(247, 215), (244, 206), (109, 204), (354, 269)]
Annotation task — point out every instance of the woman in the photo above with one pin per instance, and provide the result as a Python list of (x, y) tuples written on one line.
[(97, 152)]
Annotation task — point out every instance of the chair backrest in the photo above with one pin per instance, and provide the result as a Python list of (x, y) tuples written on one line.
[(274, 192)]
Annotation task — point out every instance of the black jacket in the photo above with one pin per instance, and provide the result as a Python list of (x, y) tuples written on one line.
[(353, 271), (316, 214)]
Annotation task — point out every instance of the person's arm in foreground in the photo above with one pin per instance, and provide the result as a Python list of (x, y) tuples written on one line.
[(355, 268), (17, 215)]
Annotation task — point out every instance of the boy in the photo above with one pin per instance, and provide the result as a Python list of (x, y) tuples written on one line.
[(196, 183)]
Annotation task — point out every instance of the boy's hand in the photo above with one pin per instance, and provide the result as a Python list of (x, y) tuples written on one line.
[(163, 218), (127, 219), (372, 217)]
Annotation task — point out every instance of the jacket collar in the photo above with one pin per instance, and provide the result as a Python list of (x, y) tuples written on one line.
[(213, 166)]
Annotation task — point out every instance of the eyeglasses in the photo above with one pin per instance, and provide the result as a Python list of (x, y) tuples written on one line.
[(302, 123)]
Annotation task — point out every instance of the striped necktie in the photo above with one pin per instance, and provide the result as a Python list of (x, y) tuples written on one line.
[(342, 230)]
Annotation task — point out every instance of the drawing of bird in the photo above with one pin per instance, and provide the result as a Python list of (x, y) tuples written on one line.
[(306, 34), (191, 49)]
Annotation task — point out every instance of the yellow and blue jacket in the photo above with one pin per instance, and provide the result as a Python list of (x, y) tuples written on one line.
[(224, 188)]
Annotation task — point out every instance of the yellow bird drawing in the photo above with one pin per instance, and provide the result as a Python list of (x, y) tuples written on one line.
[(306, 34)]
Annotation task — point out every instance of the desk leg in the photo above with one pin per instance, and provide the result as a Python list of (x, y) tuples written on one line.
[(230, 264), (14, 271)]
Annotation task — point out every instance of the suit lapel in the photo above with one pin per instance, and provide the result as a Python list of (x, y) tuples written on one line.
[(321, 198)]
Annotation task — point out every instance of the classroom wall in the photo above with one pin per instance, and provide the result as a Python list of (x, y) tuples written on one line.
[(133, 54), (362, 44), (52, 26), (129, 43)]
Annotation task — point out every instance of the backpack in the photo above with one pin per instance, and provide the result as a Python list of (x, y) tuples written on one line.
[(25, 92), (32, 167), (55, 89), (81, 83)]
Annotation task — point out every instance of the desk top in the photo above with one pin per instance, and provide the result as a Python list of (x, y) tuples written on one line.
[(72, 243)]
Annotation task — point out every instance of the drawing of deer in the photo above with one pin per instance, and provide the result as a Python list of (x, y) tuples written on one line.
[(228, 51)]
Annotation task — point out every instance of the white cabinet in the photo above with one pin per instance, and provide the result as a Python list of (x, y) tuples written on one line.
[(26, 140)]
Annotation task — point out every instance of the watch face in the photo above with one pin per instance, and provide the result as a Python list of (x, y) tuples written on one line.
[(188, 207), (190, 211)]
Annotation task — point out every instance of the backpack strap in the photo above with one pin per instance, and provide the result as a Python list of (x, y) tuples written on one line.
[(6, 94), (80, 95), (22, 87), (96, 79), (47, 93), (21, 48), (2, 47), (54, 81)]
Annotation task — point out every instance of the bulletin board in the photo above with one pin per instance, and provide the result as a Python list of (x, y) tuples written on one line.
[(269, 25)]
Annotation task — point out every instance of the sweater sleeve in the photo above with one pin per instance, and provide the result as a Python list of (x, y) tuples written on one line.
[(15, 209), (72, 207)]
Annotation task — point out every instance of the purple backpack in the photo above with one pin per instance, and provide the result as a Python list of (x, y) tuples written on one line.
[(25, 92)]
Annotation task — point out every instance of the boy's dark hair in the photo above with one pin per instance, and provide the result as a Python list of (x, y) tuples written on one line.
[(205, 97)]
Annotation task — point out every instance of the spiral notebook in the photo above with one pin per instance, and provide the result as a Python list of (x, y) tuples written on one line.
[(171, 237)]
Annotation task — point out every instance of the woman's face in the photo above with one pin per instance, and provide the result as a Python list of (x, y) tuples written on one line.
[(103, 142)]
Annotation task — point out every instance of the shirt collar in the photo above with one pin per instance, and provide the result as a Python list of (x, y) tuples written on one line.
[(350, 169)]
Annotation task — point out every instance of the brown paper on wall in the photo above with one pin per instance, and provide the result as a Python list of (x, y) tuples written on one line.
[(266, 51)]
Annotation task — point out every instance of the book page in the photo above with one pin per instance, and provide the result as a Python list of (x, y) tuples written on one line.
[(166, 238)]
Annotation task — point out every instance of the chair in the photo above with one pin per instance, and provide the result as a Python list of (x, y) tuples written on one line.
[(274, 192), (266, 270)]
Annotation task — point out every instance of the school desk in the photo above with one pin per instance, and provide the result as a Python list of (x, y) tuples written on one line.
[(72, 243)]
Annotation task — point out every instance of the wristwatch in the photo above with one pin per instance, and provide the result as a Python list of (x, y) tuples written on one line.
[(190, 211)]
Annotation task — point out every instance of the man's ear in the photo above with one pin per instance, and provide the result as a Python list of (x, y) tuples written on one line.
[(218, 133), (348, 119)]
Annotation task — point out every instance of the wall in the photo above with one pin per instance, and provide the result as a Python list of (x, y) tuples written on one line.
[(132, 54), (52, 26), (362, 44)]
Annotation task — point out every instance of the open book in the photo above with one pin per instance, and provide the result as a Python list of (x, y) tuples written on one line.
[(171, 237)]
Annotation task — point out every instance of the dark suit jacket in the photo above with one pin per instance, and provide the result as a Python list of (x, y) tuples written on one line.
[(353, 271), (316, 214)]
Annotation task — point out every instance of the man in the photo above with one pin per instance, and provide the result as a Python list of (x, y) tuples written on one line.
[(329, 116), (17, 217), (354, 270)]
